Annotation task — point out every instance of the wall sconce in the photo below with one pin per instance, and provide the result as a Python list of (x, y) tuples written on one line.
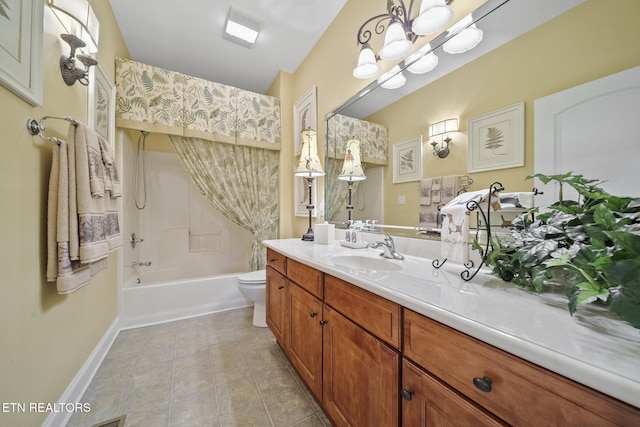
[(441, 129), (352, 169), (77, 13), (308, 168), (68, 67)]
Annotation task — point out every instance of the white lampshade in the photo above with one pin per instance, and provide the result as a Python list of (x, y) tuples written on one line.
[(82, 13), (464, 40), (392, 79), (396, 43), (352, 166), (309, 164), (367, 66), (421, 61), (445, 126), (434, 16)]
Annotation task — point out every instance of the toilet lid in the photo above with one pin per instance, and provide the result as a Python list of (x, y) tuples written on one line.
[(259, 276)]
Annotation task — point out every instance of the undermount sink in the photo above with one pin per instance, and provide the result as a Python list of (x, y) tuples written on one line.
[(366, 262)]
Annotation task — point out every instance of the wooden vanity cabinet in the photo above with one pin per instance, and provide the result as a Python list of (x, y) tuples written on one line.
[(428, 402), (276, 304), (511, 388)]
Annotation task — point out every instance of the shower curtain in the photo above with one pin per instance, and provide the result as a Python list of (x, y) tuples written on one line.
[(240, 181)]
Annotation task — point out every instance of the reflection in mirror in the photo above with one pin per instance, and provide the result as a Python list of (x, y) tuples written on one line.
[(499, 20)]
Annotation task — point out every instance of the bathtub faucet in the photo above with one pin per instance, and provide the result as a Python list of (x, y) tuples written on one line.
[(141, 264)]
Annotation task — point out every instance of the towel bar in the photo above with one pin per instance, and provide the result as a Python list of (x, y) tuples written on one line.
[(37, 127)]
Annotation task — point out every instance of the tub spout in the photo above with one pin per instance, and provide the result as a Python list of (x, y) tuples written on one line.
[(141, 264)]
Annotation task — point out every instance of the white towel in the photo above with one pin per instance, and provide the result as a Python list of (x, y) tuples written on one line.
[(455, 225), (517, 200)]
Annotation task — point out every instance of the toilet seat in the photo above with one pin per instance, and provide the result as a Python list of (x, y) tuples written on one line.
[(258, 277)]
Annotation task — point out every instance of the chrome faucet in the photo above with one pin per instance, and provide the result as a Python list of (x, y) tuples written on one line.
[(141, 264), (388, 248)]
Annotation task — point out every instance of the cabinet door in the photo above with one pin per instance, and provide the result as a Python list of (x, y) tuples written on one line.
[(304, 334), (361, 375), (276, 305), (428, 402)]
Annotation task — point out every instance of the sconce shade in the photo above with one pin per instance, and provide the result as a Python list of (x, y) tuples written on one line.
[(367, 66), (352, 166), (434, 16), (81, 12), (421, 61), (464, 40), (392, 79), (445, 126), (396, 43), (309, 165)]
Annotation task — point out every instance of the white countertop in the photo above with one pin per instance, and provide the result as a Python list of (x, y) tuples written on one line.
[(593, 347)]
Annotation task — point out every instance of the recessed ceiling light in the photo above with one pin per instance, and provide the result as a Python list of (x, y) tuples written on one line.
[(241, 29)]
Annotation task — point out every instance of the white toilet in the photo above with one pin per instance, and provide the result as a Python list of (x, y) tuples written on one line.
[(253, 286)]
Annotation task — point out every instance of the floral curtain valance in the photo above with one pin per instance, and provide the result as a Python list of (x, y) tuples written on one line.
[(374, 138), (158, 100)]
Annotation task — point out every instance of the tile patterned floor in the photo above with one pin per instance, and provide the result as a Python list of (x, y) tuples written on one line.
[(216, 370)]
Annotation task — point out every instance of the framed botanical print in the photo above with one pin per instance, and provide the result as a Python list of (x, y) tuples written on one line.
[(304, 117), (21, 33), (407, 160), (496, 139), (102, 98)]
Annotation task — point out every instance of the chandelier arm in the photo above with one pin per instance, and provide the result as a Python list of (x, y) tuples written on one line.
[(364, 35)]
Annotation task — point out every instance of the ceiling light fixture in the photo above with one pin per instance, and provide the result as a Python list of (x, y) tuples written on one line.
[(463, 40), (241, 29), (423, 61), (392, 79), (401, 31)]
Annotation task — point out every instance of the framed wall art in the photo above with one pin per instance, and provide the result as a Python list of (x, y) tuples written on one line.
[(304, 117), (407, 160), (496, 139), (21, 34), (102, 99)]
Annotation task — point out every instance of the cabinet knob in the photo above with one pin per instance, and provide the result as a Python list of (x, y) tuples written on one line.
[(313, 314), (407, 394), (280, 287), (271, 260), (483, 384), (323, 322)]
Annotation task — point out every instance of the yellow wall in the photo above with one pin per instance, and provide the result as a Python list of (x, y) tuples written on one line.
[(44, 337), (588, 42)]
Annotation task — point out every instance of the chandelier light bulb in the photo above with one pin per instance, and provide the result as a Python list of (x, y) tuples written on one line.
[(396, 43), (434, 16), (422, 61), (367, 66)]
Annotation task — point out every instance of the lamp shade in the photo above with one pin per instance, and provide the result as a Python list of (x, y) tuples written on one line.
[(309, 164), (352, 166), (463, 40), (392, 79), (422, 61), (367, 66), (445, 126), (434, 16), (396, 43)]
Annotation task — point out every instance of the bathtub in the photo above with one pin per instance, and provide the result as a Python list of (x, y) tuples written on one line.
[(146, 304)]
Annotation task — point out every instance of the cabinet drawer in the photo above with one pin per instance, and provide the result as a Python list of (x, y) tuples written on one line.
[(307, 277), (377, 315), (276, 261), (521, 393)]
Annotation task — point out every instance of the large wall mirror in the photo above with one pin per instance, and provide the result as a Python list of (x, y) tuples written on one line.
[(501, 21)]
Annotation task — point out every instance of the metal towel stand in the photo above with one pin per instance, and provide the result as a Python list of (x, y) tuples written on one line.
[(37, 127)]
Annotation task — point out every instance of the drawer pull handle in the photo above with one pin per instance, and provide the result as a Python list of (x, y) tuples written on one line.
[(483, 384), (407, 394), (280, 287), (323, 322), (313, 314), (272, 260)]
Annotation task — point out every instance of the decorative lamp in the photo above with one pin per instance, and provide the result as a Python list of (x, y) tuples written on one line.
[(434, 16), (367, 66), (308, 168), (352, 169), (442, 129), (392, 79)]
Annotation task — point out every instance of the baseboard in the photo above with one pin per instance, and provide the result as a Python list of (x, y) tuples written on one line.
[(81, 381)]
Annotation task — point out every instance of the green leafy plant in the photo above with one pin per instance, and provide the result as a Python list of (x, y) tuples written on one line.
[(591, 246)]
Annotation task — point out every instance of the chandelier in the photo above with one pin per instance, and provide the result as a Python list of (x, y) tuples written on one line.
[(401, 31)]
